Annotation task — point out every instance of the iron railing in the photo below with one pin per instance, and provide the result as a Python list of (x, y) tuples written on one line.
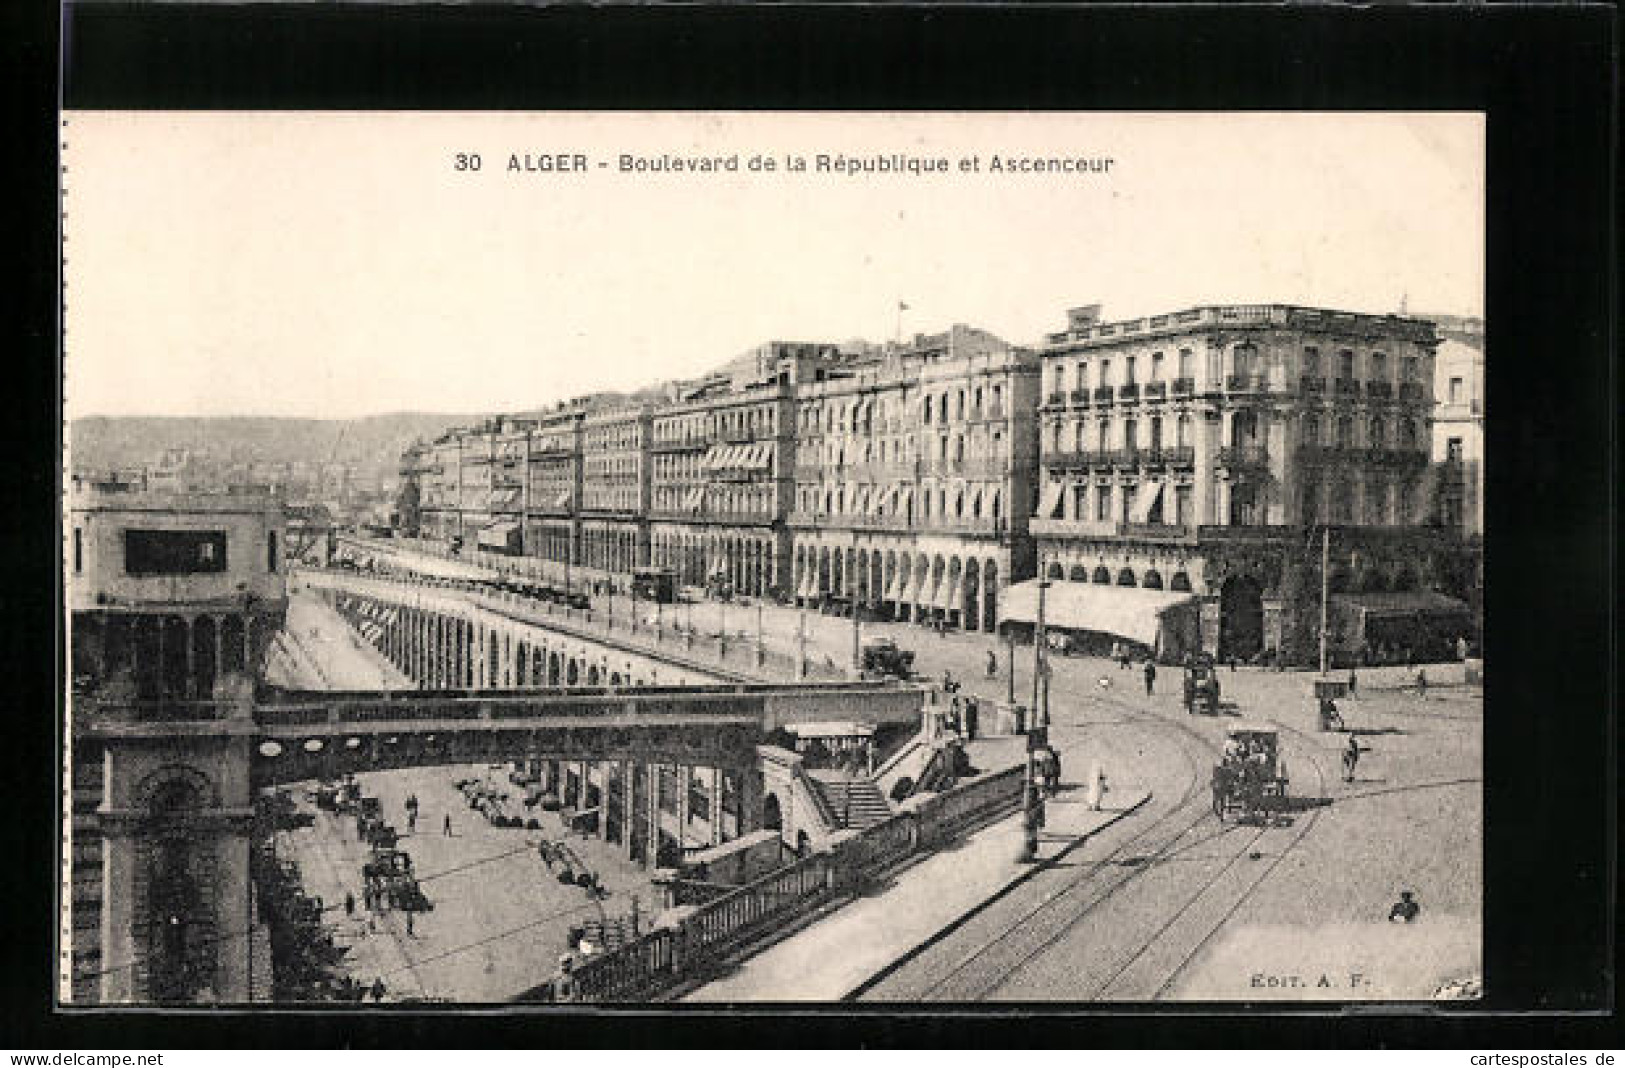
[(666, 957)]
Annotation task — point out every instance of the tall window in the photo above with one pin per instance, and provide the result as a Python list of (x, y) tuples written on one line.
[(1105, 372), (1130, 435), (1060, 378), (1128, 371), (78, 551), (1311, 362), (1103, 503), (1345, 432), (1452, 453), (1183, 431), (1182, 505), (1156, 367), (1345, 364), (1186, 369), (1408, 368), (1455, 391), (1407, 434), (1156, 432), (1379, 433), (1311, 429), (1379, 367)]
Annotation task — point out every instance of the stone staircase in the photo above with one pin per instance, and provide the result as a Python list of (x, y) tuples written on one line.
[(854, 799)]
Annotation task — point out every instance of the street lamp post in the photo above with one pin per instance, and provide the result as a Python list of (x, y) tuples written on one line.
[(852, 580), (1010, 662), (1032, 801), (761, 641), (801, 642)]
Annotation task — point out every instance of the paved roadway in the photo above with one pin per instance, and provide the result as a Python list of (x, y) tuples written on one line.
[(1172, 904), (1175, 905), (500, 916), (318, 650)]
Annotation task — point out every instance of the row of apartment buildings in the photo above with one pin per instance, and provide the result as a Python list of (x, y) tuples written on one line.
[(1193, 453)]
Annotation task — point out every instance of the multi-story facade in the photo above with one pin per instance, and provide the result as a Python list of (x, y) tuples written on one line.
[(440, 487), (615, 487), (722, 461), (913, 489), (552, 516), (1194, 451), (507, 474), (1458, 423)]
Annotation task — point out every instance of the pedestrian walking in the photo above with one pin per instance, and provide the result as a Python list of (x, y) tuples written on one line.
[(378, 989), (1150, 677), (1351, 758), (1354, 683), (445, 826), (992, 663), (349, 904), (972, 713), (1096, 786), (1421, 683), (412, 820), (409, 925)]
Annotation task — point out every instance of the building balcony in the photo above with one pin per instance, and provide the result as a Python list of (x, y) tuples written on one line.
[(1109, 528), (1308, 384), (1055, 399), (1246, 384), (1184, 387), (1127, 459), (1080, 398), (1068, 460), (1168, 456), (1346, 387), (1103, 394), (1410, 391), (1130, 392), (1156, 390), (1379, 390), (679, 445), (1238, 456)]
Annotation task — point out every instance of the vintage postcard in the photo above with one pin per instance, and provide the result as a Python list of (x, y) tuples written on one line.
[(728, 557)]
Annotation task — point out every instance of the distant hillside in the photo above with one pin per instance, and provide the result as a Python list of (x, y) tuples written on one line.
[(100, 442)]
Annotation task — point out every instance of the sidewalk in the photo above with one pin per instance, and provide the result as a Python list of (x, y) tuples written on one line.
[(838, 954)]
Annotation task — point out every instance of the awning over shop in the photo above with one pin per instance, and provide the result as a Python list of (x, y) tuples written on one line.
[(507, 496), (1125, 611), (947, 594), (892, 586), (1050, 505), (694, 500), (860, 501), (1145, 500), (830, 730), (562, 500), (499, 535), (809, 585)]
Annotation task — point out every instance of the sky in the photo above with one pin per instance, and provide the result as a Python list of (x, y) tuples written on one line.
[(341, 264)]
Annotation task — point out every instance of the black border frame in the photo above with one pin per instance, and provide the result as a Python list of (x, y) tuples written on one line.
[(1546, 76)]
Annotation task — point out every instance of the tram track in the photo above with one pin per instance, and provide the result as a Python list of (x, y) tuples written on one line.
[(1018, 943), (1003, 952)]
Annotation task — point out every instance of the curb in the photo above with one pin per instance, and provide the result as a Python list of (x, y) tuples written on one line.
[(1018, 880)]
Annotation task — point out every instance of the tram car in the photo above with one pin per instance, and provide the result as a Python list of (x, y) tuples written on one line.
[(1201, 685), (1250, 780)]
